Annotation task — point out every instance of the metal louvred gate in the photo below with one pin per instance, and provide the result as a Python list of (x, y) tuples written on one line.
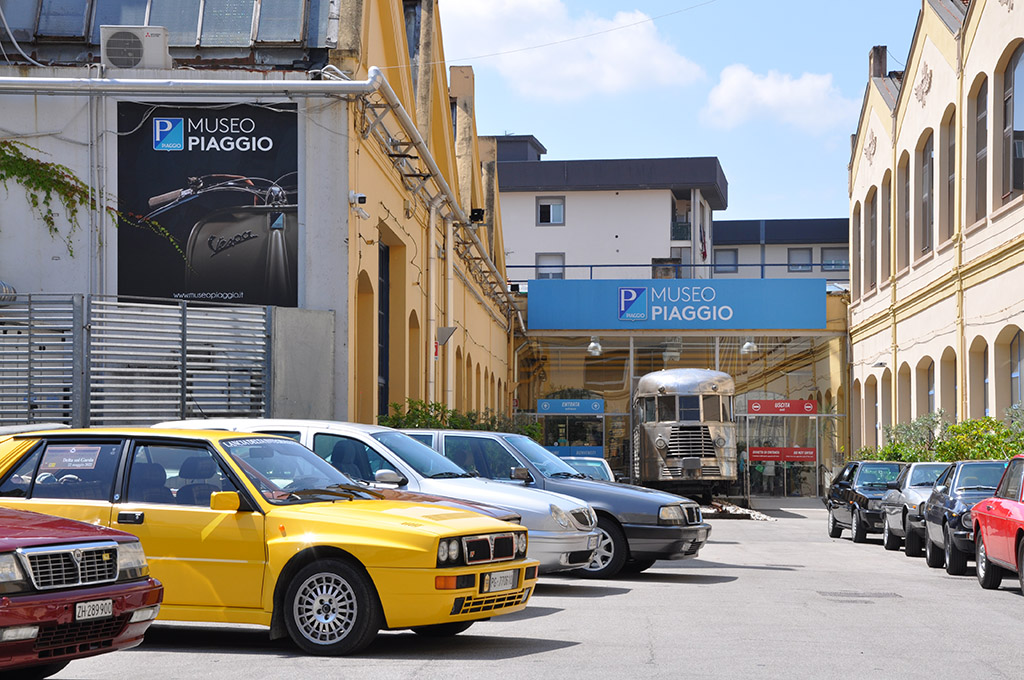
[(99, 360)]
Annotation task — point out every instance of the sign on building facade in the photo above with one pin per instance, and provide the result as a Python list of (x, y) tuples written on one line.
[(216, 187), (676, 304)]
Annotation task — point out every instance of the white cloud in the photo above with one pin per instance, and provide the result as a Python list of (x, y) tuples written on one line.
[(811, 102), (612, 62)]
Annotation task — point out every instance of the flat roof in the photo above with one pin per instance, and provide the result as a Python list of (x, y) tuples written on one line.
[(680, 175)]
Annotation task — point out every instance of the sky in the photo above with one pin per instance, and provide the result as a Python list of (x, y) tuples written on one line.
[(773, 89)]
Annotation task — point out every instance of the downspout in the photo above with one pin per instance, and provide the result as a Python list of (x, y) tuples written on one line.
[(95, 265), (432, 301), (449, 279)]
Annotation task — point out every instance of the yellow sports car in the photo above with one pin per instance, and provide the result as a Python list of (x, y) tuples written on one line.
[(258, 529)]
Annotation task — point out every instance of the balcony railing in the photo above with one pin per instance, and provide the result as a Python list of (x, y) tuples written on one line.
[(681, 230), (835, 273)]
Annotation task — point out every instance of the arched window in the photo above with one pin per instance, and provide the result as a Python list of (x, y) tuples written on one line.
[(931, 387), (1015, 365), (980, 198), (948, 220), (984, 380), (1013, 126), (871, 242), (926, 195), (886, 226), (903, 213)]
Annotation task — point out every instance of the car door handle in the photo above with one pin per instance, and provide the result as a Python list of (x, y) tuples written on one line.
[(131, 517)]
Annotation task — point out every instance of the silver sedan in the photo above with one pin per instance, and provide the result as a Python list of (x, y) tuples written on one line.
[(903, 506)]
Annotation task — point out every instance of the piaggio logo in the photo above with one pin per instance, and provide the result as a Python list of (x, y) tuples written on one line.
[(168, 134), (632, 304)]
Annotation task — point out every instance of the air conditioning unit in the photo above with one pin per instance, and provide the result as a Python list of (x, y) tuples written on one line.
[(134, 47)]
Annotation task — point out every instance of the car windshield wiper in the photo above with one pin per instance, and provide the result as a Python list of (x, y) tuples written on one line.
[(924, 484), (322, 492), (449, 475), (357, 489), (568, 475), (975, 488)]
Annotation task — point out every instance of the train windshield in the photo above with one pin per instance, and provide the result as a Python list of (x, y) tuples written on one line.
[(712, 408), (717, 409)]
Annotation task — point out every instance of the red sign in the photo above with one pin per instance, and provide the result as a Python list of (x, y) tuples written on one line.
[(787, 454), (782, 406)]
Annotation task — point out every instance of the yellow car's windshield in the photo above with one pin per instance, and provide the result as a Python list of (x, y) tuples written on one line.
[(285, 471)]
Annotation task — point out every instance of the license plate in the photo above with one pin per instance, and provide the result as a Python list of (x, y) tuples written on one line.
[(592, 543), (500, 580), (96, 609)]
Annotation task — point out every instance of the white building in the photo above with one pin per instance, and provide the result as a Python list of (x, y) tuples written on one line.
[(606, 218)]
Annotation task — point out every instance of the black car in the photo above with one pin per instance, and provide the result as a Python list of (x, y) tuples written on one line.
[(949, 538), (854, 499), (637, 525)]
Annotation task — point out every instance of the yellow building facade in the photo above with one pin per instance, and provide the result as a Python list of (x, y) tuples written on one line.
[(446, 329), (937, 223)]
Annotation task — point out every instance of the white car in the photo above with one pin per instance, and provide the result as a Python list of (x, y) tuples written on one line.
[(563, 529)]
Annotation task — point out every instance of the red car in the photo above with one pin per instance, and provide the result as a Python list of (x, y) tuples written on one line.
[(999, 529), (68, 590)]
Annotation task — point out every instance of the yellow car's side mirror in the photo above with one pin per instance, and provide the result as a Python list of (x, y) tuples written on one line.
[(225, 501)]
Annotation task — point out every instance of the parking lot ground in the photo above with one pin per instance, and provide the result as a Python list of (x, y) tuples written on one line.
[(766, 599)]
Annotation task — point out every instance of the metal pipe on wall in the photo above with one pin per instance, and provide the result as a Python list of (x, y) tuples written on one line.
[(449, 279), (431, 364)]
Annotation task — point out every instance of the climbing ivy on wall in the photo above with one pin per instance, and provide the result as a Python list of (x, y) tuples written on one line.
[(51, 186)]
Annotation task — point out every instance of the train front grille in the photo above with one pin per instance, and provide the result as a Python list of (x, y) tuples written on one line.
[(690, 440)]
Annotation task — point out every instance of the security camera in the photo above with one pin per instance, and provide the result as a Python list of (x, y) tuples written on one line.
[(354, 198)]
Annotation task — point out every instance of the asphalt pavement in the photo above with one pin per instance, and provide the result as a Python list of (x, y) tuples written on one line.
[(765, 599)]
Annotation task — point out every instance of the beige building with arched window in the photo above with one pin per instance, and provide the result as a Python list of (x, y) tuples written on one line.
[(937, 223)]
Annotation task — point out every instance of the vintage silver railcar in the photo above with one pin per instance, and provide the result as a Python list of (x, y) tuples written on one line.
[(684, 434)]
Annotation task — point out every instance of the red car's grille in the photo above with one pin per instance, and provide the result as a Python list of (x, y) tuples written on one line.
[(71, 565), (71, 638)]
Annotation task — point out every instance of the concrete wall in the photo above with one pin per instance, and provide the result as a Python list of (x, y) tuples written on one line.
[(302, 352)]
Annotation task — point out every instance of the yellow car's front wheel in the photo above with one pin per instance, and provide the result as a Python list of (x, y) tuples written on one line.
[(332, 608)]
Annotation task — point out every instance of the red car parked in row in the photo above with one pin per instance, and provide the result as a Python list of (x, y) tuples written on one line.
[(999, 529), (68, 590)]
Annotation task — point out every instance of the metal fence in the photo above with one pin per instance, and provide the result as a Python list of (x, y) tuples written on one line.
[(95, 360)]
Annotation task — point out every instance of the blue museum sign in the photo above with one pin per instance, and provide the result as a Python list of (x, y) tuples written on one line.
[(570, 406), (676, 304)]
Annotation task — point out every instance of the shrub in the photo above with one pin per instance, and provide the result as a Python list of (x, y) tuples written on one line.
[(421, 414), (981, 438)]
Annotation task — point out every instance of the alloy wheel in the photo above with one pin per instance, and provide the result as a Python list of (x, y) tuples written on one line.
[(325, 608), (604, 553)]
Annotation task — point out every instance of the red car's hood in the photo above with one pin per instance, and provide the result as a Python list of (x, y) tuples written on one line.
[(23, 529)]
